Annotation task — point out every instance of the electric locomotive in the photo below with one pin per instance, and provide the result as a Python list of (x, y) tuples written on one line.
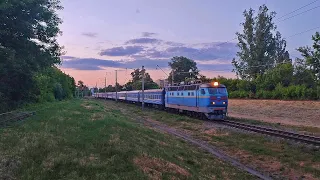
[(210, 99)]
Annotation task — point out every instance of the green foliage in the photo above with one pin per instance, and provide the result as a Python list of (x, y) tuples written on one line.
[(259, 48), (312, 56), (58, 91), (28, 46), (284, 80), (53, 84), (182, 68), (136, 82)]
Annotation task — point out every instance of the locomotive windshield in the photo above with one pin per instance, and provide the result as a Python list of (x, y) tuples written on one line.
[(218, 90)]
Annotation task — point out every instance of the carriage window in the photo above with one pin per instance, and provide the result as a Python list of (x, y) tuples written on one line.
[(181, 94), (188, 93), (181, 88), (192, 94), (202, 91), (177, 94)]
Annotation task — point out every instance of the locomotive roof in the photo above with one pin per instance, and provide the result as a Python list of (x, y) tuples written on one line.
[(208, 85), (204, 85)]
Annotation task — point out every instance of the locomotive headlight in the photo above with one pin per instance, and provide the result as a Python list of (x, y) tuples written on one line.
[(224, 102), (213, 102)]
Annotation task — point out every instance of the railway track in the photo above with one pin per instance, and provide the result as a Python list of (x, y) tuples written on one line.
[(12, 117), (314, 140)]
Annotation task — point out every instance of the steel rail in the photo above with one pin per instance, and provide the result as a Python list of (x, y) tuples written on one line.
[(274, 132)]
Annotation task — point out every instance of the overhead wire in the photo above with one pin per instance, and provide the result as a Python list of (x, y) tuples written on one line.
[(299, 14), (302, 32), (296, 10)]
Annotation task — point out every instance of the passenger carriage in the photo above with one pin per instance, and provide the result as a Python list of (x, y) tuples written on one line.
[(133, 96), (153, 96)]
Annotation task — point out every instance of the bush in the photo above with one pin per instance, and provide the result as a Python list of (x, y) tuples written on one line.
[(264, 87), (243, 94), (234, 94), (267, 95), (238, 94), (58, 91)]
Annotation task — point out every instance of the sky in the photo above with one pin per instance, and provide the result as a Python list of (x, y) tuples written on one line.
[(101, 36)]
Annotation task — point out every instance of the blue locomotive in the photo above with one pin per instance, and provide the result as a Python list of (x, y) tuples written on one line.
[(202, 99)]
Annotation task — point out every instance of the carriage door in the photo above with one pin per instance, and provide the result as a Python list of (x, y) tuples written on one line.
[(197, 96)]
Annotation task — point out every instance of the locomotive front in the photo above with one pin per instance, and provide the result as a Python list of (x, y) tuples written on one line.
[(214, 98)]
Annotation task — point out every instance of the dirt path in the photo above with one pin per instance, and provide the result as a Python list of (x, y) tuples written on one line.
[(297, 113), (211, 149), (159, 126)]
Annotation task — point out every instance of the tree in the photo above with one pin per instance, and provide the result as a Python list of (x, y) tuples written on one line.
[(80, 84), (182, 68), (204, 79), (260, 49), (28, 45), (281, 74), (312, 56), (303, 75), (136, 83)]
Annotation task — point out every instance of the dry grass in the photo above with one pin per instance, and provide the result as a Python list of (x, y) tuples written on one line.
[(155, 167), (301, 113)]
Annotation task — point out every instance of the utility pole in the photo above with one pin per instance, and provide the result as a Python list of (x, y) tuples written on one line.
[(116, 86), (142, 87), (172, 79), (105, 87)]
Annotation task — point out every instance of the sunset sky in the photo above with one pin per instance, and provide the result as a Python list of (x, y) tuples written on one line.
[(101, 36)]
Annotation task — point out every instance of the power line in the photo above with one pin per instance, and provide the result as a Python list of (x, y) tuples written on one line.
[(302, 32), (297, 9), (162, 70), (299, 13)]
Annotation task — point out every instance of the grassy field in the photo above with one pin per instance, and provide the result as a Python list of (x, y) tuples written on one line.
[(281, 159), (88, 139), (297, 113)]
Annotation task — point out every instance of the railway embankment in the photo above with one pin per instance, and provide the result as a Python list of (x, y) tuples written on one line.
[(278, 158)]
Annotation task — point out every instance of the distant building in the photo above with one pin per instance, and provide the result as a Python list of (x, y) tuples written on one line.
[(162, 83)]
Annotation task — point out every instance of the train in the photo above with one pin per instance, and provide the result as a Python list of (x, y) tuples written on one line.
[(205, 100)]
